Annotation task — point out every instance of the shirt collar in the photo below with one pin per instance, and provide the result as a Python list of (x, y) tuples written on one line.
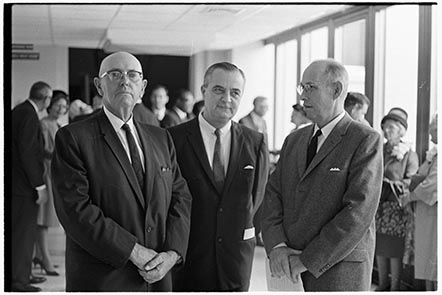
[(116, 122), (34, 105), (180, 113), (327, 129), (206, 127)]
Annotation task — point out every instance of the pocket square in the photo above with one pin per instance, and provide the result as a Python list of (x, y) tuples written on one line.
[(165, 168), (335, 169), (248, 167)]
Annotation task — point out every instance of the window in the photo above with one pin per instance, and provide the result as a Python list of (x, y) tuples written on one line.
[(396, 64), (314, 45), (286, 80), (350, 51)]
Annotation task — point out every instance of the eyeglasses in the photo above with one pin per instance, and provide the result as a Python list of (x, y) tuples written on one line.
[(116, 75), (305, 87)]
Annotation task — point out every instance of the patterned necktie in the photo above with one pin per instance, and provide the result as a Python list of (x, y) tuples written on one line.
[(134, 155), (217, 165), (312, 147)]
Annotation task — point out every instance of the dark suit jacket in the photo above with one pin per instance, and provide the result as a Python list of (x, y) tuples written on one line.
[(218, 257), (327, 209), (171, 119), (144, 115), (104, 211), (27, 151)]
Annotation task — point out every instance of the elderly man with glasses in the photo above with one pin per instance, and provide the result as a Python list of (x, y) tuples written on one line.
[(119, 193), (321, 201)]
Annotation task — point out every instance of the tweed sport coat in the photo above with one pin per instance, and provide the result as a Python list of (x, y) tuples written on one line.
[(104, 211), (327, 210)]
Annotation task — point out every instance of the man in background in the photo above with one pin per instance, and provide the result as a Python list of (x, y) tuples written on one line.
[(158, 101), (181, 111), (226, 167), (356, 104), (28, 186), (144, 115)]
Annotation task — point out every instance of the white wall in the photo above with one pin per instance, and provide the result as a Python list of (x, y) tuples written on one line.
[(257, 62), (52, 68)]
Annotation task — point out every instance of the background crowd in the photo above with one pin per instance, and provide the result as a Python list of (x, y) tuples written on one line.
[(195, 196)]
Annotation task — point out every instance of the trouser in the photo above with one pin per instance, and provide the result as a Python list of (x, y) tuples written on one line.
[(23, 229)]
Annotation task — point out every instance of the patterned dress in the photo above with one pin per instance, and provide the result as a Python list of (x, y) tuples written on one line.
[(393, 221)]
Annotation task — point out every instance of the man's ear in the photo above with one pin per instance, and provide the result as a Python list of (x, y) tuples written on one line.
[(97, 83), (337, 89), (203, 90), (144, 88)]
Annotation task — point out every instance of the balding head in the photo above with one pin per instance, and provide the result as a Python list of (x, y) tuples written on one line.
[(115, 60)]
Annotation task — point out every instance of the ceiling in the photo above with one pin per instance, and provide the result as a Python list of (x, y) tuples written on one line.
[(158, 28)]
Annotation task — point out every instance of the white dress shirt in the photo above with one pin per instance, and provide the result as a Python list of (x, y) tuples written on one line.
[(209, 139), (117, 124), (327, 129), (181, 114)]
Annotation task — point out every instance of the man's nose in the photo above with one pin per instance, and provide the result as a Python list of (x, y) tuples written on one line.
[(227, 97), (124, 79)]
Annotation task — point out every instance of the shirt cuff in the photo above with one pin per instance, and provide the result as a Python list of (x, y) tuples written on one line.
[(41, 187), (283, 244)]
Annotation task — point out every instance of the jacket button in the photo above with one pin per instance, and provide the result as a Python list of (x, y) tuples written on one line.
[(220, 209), (220, 240), (149, 229)]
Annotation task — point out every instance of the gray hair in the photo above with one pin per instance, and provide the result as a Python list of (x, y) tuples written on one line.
[(226, 66)]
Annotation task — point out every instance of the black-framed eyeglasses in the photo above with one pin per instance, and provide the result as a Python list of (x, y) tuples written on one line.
[(305, 87), (116, 75)]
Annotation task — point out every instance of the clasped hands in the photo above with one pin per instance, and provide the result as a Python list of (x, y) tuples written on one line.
[(152, 266), (284, 261)]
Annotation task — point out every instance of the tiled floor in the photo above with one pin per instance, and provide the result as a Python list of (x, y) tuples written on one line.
[(57, 250)]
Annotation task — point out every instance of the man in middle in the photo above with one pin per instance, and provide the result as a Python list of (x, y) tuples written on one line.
[(226, 167)]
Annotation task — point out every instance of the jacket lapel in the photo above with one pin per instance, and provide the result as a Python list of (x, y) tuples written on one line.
[(235, 152), (196, 141), (114, 143), (330, 143), (149, 167)]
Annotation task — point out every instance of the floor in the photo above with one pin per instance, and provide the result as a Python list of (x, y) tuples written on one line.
[(57, 283)]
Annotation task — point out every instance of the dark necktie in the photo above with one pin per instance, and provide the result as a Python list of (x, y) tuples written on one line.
[(218, 167), (312, 147), (134, 155)]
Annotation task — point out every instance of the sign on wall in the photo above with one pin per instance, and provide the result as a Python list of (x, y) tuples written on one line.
[(24, 55)]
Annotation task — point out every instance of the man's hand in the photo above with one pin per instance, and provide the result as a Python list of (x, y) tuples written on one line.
[(296, 267), (159, 266), (280, 261), (140, 255), (42, 196)]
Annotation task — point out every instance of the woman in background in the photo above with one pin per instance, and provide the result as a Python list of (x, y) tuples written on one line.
[(299, 117), (392, 221), (46, 214), (423, 190)]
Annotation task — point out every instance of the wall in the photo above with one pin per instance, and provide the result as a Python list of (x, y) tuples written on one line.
[(257, 62), (52, 68)]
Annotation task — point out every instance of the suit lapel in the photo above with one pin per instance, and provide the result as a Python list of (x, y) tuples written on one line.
[(330, 143), (235, 153), (114, 143), (149, 167), (196, 141), (303, 145)]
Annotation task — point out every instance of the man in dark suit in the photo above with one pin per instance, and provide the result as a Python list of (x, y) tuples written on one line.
[(181, 111), (226, 166), (28, 188), (119, 193), (144, 115), (321, 200)]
